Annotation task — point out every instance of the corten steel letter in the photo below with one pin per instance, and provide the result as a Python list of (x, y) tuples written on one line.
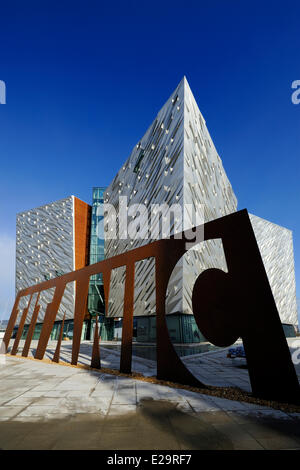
[(95, 361), (57, 350), (240, 303), (11, 322), (127, 328), (226, 306), (20, 329), (82, 289), (31, 327), (230, 305), (50, 315), (169, 365)]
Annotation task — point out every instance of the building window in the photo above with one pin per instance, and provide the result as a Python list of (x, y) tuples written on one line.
[(139, 160)]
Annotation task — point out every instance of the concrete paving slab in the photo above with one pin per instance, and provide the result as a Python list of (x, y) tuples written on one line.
[(153, 417), (20, 401)]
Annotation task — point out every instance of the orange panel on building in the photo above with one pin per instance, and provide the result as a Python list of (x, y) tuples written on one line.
[(82, 220)]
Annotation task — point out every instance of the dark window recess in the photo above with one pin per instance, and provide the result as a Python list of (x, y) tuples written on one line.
[(137, 165)]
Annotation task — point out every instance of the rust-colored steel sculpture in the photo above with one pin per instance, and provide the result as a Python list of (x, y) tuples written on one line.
[(31, 327), (20, 329), (95, 360), (226, 306), (57, 350), (127, 326)]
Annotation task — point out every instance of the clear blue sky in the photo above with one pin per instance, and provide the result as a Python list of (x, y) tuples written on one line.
[(86, 78)]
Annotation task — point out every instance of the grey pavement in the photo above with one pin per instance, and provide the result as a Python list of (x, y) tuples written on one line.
[(110, 358), (51, 406), (212, 368), (216, 369)]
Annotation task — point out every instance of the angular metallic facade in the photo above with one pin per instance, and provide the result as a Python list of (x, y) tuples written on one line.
[(176, 162), (276, 248), (205, 184), (46, 248)]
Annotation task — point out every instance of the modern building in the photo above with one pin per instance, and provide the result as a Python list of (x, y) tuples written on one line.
[(176, 162), (52, 240), (176, 166)]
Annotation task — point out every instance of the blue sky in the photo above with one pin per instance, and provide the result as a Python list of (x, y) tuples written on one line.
[(86, 78)]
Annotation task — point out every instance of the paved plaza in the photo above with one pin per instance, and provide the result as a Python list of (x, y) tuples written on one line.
[(212, 368), (50, 406)]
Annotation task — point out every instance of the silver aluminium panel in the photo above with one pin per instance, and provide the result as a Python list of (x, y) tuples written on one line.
[(276, 248), (45, 249)]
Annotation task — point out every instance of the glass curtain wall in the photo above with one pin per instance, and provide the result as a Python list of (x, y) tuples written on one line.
[(96, 292)]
